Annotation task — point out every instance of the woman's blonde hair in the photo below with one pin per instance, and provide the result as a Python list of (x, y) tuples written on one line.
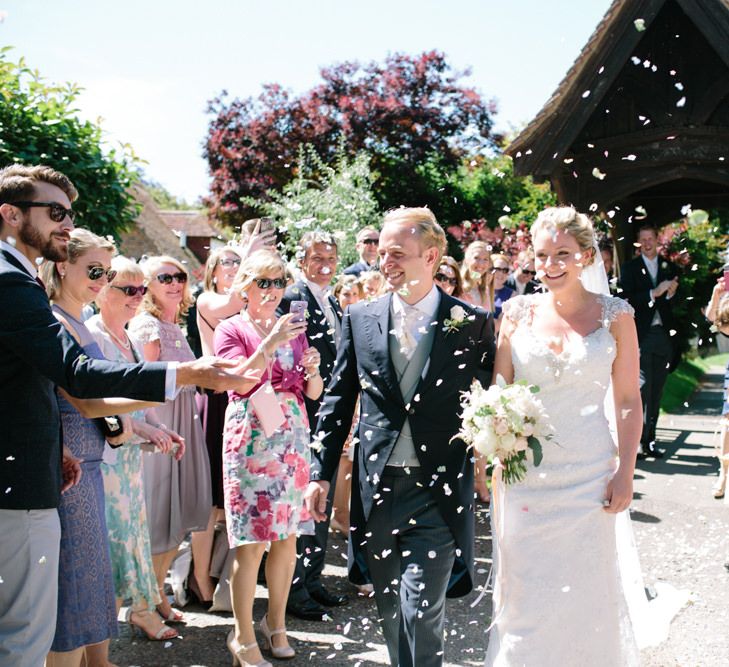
[(81, 242), (567, 219), (485, 282), (366, 276), (722, 312), (213, 259), (430, 233), (260, 262), (149, 305), (126, 269)]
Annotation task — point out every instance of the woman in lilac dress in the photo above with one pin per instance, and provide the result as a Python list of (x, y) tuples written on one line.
[(266, 470)]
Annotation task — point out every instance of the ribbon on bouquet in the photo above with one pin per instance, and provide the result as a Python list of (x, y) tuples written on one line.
[(498, 488)]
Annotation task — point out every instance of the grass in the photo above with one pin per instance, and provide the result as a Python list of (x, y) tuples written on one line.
[(682, 383)]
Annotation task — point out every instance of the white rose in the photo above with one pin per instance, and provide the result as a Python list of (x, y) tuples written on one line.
[(458, 314)]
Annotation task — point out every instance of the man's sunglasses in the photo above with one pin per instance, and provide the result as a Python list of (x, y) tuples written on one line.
[(131, 290), (227, 263), (370, 241), (95, 272), (443, 278), (167, 278), (527, 272), (56, 212), (265, 283), (501, 270)]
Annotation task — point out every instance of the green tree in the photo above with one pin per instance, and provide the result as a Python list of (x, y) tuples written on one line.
[(337, 199), (39, 125), (164, 199)]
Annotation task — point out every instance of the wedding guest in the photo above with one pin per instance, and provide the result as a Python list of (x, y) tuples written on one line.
[(266, 468), (215, 304), (412, 510), (448, 277), (555, 530), (348, 290), (607, 252), (373, 284), (502, 292), (38, 355), (126, 514), (178, 494), (317, 257), (649, 283), (477, 278), (717, 312), (523, 279), (86, 617), (367, 239)]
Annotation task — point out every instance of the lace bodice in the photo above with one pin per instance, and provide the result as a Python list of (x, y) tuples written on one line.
[(144, 328)]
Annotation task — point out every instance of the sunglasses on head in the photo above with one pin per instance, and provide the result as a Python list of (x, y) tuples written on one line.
[(501, 269), (56, 212), (443, 278), (370, 241), (167, 278), (95, 272), (227, 263), (528, 272), (131, 290), (265, 283)]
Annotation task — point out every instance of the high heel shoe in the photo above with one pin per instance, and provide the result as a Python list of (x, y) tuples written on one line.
[(172, 617), (237, 651), (194, 589), (280, 652), (164, 633)]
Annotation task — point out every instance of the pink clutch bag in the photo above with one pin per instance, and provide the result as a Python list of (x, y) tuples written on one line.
[(267, 408)]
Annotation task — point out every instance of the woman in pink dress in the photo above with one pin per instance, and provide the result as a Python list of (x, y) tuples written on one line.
[(266, 468)]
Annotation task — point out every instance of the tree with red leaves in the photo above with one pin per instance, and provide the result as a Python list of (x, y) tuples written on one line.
[(401, 112)]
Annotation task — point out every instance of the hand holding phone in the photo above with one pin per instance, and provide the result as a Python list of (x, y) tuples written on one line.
[(298, 310)]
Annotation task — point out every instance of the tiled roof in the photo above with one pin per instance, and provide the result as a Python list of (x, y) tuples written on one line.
[(191, 223)]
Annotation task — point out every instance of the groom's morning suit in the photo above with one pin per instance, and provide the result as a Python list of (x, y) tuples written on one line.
[(412, 488), (654, 321), (323, 324), (36, 355)]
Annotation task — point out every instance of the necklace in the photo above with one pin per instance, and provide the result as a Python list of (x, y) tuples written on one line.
[(124, 344)]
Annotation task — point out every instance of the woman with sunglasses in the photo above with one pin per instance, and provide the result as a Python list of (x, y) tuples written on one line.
[(502, 292), (266, 468), (86, 617), (126, 515), (178, 495), (448, 277), (478, 288)]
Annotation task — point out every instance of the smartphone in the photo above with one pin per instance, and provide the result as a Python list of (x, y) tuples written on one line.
[(726, 278), (267, 225), (298, 310)]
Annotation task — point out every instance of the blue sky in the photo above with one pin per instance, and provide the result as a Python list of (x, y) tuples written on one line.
[(148, 68)]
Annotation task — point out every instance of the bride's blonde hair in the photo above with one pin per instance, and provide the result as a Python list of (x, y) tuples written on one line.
[(568, 220)]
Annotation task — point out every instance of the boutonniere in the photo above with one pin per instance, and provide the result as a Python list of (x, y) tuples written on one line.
[(457, 319), (664, 265)]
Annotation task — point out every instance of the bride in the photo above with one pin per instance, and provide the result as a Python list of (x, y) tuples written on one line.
[(559, 597)]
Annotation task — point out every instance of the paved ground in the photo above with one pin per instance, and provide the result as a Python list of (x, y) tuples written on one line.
[(682, 535)]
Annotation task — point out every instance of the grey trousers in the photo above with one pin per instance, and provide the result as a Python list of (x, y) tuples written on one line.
[(410, 554), (29, 589)]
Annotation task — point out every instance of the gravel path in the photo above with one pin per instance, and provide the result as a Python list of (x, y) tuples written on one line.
[(682, 535)]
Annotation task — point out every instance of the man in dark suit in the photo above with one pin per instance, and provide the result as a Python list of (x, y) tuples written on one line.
[(318, 262), (367, 239), (523, 279), (36, 354), (649, 283), (407, 356)]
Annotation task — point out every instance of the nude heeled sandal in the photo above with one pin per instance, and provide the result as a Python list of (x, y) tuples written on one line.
[(280, 652), (237, 651), (163, 634)]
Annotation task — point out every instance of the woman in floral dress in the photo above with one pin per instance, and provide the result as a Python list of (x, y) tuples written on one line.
[(265, 476), (126, 515)]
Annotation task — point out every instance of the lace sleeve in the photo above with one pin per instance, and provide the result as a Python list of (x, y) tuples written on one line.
[(614, 306), (144, 329), (517, 308)]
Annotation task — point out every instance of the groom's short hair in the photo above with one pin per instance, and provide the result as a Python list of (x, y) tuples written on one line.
[(429, 232)]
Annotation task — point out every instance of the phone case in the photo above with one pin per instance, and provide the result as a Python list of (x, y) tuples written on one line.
[(267, 408)]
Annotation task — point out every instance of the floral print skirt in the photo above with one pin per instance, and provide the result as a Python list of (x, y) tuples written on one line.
[(264, 479)]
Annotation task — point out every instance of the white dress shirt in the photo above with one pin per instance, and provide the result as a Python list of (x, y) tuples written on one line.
[(651, 266), (411, 322)]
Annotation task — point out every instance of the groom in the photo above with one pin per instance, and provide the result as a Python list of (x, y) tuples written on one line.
[(407, 356)]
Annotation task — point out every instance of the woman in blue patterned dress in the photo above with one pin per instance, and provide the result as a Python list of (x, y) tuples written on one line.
[(126, 515), (264, 476), (86, 617)]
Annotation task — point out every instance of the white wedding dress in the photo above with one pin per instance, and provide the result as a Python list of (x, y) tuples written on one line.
[(559, 594)]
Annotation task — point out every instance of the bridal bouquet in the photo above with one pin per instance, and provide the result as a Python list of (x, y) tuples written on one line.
[(503, 422)]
